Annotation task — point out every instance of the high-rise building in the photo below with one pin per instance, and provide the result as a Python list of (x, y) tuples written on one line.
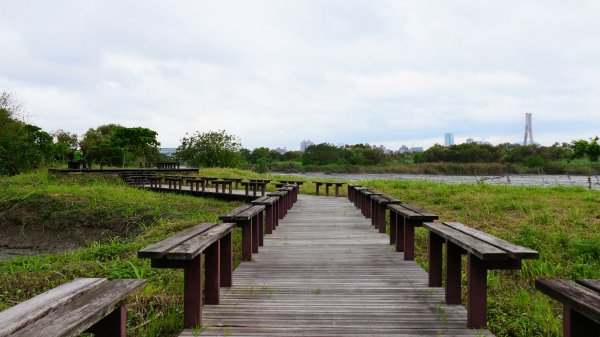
[(528, 139), (448, 139), (304, 144)]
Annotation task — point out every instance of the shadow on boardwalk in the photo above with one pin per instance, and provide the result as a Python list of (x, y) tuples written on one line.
[(326, 272)]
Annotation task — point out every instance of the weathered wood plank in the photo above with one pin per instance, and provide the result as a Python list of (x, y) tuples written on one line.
[(482, 250), (189, 249), (161, 248), (575, 296)]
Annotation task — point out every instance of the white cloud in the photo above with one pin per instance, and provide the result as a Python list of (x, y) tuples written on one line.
[(275, 73)]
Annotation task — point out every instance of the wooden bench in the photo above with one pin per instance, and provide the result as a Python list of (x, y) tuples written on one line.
[(223, 183), (378, 210), (254, 186), (237, 181), (271, 216), (208, 180), (365, 195), (196, 182), (291, 196), (183, 250), (328, 184), (283, 205), (296, 182), (142, 180), (93, 305), (403, 220), (581, 304), (250, 219), (175, 181), (484, 252), (352, 192)]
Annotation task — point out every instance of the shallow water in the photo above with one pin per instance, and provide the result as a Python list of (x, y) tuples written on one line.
[(592, 182)]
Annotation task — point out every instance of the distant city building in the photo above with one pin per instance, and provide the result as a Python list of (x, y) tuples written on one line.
[(416, 149), (403, 149), (448, 139), (281, 150), (304, 144)]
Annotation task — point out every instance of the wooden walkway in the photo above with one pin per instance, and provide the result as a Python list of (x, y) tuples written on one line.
[(326, 272)]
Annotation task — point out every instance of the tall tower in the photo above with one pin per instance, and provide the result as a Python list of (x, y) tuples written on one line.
[(528, 128)]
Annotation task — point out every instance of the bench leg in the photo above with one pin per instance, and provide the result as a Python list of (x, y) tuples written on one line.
[(269, 222), (393, 222), (114, 324), (453, 275), (477, 292), (327, 190), (409, 241), (212, 273), (192, 294), (400, 234), (226, 261), (261, 230), (575, 324), (381, 218), (337, 191), (368, 206), (317, 185), (255, 234), (247, 241), (435, 260), (373, 207)]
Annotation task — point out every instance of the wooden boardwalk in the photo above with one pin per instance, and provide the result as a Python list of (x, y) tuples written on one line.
[(326, 272)]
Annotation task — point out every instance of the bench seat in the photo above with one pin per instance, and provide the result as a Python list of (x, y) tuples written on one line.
[(184, 250), (378, 210), (93, 305), (581, 304), (271, 212), (484, 252), (403, 220), (250, 219)]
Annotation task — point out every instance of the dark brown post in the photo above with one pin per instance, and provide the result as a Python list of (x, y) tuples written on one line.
[(270, 221), (255, 233), (226, 261), (393, 222), (368, 206), (327, 189), (113, 324), (212, 273), (192, 294), (381, 217), (372, 206), (576, 324), (400, 234), (453, 277), (435, 260), (261, 229), (247, 240), (409, 240), (317, 185), (477, 292)]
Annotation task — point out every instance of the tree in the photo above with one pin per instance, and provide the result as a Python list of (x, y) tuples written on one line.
[(22, 145), (210, 149), (65, 145), (322, 154), (582, 147), (118, 145)]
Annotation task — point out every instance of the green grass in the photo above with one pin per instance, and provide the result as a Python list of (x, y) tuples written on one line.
[(563, 224)]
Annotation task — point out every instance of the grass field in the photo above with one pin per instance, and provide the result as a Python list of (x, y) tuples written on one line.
[(563, 224)]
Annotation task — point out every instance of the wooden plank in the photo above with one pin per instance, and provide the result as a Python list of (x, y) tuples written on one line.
[(266, 200), (575, 296), (234, 212), (482, 250), (514, 251), (160, 249), (592, 284), (423, 212), (84, 311), (22, 314), (196, 245)]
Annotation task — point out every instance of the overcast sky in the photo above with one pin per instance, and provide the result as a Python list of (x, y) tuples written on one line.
[(277, 72)]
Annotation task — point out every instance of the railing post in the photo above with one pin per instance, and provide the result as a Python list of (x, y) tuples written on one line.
[(226, 261), (247, 240), (393, 224), (435, 259), (453, 275), (212, 273), (477, 292), (192, 294)]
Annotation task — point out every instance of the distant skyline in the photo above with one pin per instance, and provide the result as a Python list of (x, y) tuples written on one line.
[(275, 73)]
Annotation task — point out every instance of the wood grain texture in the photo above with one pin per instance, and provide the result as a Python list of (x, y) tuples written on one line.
[(326, 272), (28, 311), (481, 249), (575, 296), (161, 248), (83, 312)]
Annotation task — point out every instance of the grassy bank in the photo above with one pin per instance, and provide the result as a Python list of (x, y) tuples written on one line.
[(563, 224), (134, 219)]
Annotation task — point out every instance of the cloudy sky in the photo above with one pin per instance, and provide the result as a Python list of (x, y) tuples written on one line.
[(277, 72)]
